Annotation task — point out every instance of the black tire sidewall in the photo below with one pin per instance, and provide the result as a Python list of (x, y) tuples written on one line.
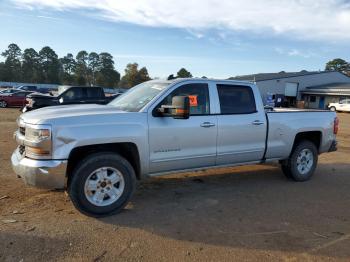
[(295, 174), (85, 168), (3, 103)]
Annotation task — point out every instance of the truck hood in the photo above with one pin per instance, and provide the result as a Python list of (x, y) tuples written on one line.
[(40, 95), (67, 112)]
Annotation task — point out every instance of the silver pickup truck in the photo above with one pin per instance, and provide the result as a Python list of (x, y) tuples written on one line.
[(98, 152)]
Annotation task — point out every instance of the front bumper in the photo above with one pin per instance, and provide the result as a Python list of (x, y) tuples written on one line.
[(49, 174)]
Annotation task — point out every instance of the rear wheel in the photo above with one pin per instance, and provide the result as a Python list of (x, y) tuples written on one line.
[(102, 184), (3, 104), (302, 162)]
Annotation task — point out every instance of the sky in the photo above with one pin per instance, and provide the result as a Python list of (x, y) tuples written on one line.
[(208, 37)]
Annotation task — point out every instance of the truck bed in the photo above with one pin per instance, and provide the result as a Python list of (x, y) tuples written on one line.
[(285, 123)]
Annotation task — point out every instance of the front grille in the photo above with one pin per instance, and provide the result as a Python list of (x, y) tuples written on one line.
[(22, 130)]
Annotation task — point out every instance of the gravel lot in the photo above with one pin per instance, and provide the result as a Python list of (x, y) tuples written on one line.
[(245, 213)]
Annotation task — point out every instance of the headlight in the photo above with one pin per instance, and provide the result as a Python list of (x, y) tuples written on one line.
[(38, 134), (38, 141), (29, 102)]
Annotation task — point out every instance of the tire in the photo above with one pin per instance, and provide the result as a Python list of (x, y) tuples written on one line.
[(3, 104), (332, 108), (302, 162), (107, 174)]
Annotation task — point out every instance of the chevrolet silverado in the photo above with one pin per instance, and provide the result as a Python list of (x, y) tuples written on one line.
[(98, 152)]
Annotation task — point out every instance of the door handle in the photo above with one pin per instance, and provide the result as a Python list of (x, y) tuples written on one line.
[(207, 124), (257, 123)]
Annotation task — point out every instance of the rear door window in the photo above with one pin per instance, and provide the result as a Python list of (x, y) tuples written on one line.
[(236, 99), (94, 92)]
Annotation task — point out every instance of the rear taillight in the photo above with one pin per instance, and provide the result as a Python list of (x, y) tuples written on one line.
[(336, 125)]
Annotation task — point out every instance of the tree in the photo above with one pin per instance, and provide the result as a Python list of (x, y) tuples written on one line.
[(67, 69), (171, 77), (30, 66), (93, 67), (183, 73), (12, 65), (130, 76), (339, 65), (142, 75), (68, 63), (81, 69), (107, 76), (133, 76), (49, 65), (2, 72)]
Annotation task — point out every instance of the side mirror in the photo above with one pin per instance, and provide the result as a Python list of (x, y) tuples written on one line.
[(179, 108)]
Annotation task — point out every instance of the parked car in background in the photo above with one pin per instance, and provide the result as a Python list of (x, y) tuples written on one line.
[(17, 99), (8, 91), (343, 105), (43, 90), (158, 127), (68, 95)]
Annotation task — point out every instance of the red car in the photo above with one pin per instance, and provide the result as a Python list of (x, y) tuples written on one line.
[(17, 99)]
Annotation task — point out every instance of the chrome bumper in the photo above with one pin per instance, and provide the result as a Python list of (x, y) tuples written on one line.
[(49, 174)]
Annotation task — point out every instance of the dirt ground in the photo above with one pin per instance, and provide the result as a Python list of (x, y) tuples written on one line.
[(246, 213)]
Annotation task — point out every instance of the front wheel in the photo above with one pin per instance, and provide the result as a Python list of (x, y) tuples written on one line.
[(102, 184), (332, 108), (302, 162), (3, 104)]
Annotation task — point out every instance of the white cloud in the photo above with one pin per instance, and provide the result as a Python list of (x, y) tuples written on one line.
[(47, 17), (327, 20), (295, 52)]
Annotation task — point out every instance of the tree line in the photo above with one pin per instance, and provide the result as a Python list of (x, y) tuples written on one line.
[(85, 68)]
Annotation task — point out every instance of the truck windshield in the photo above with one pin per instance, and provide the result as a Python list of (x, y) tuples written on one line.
[(137, 97)]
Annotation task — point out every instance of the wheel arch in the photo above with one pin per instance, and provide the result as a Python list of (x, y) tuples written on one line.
[(312, 136), (127, 150)]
